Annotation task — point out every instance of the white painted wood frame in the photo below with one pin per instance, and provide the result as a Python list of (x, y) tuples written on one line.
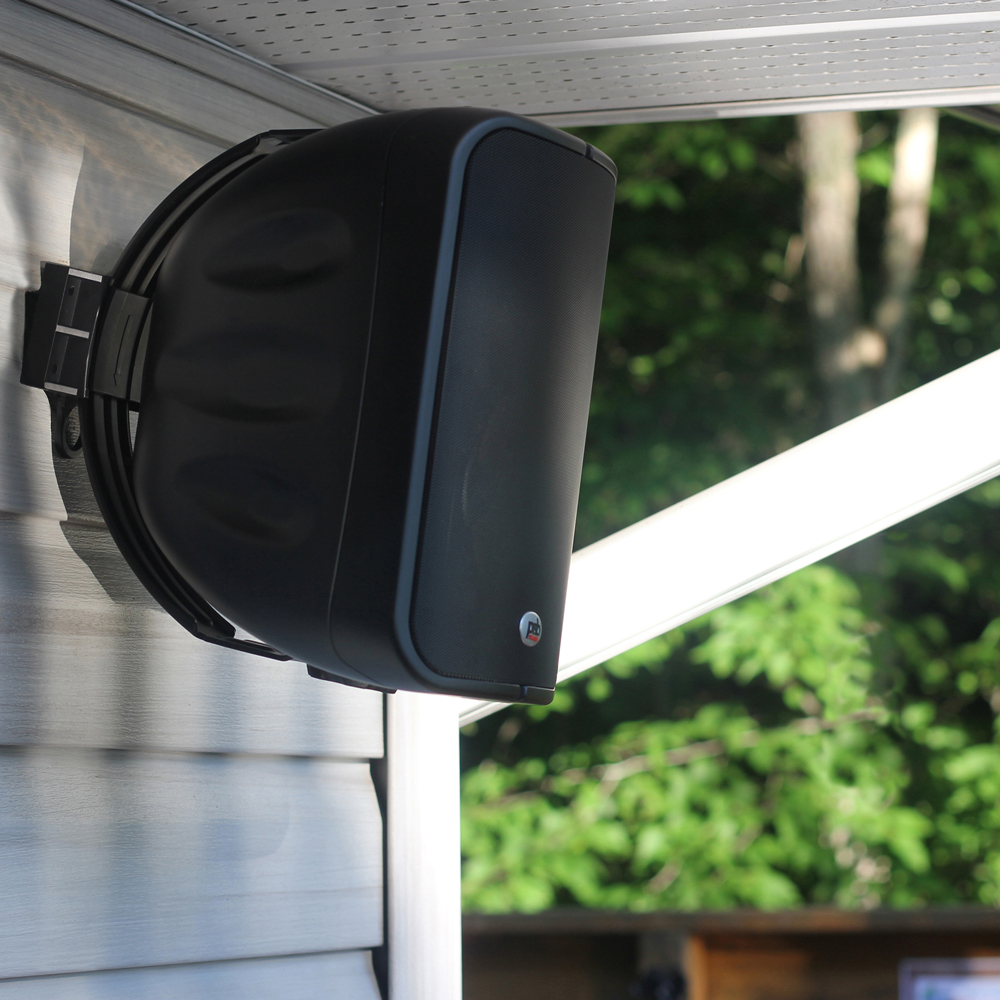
[(424, 848)]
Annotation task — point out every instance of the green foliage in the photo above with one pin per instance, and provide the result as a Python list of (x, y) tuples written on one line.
[(693, 335), (803, 636), (825, 740), (838, 783), (705, 366)]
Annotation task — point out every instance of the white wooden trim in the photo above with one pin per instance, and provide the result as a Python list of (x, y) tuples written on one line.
[(424, 933), (790, 511)]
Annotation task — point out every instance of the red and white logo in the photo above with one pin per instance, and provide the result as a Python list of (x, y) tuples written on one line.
[(531, 628)]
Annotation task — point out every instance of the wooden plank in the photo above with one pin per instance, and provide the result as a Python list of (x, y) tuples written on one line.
[(798, 967), (695, 967), (339, 976), (111, 859), (424, 852), (567, 967), (134, 78)]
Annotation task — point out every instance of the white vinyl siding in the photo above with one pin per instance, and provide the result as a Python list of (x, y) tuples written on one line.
[(203, 820)]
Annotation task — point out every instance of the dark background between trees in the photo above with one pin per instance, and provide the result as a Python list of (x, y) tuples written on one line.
[(832, 738)]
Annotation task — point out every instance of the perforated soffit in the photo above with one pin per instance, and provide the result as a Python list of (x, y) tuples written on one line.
[(619, 61)]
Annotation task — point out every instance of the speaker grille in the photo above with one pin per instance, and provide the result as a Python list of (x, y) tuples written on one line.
[(514, 393)]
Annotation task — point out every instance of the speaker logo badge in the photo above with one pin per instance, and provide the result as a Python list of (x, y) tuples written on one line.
[(531, 628)]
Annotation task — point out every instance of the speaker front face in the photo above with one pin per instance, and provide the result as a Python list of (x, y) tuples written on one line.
[(510, 416)]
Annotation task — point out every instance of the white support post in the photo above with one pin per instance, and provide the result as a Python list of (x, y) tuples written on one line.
[(424, 932), (779, 516)]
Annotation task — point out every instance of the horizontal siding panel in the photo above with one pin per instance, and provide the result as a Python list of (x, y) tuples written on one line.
[(111, 859), (90, 662), (77, 178), (345, 976)]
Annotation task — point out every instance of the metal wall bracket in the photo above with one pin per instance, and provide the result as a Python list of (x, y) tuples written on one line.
[(58, 342), (68, 350)]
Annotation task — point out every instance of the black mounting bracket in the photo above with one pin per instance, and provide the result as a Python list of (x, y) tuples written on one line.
[(62, 350), (85, 345)]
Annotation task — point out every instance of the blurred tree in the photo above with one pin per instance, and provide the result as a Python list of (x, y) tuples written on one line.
[(860, 363), (846, 350), (817, 741), (905, 237)]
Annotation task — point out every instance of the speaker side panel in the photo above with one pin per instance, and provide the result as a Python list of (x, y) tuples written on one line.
[(253, 380), (511, 417)]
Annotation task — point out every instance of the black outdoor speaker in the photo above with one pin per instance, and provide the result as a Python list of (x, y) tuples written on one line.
[(361, 362)]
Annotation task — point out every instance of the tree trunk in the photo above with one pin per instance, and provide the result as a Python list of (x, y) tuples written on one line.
[(845, 350), (905, 236)]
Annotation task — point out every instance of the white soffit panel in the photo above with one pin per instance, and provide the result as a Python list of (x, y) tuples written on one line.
[(621, 61)]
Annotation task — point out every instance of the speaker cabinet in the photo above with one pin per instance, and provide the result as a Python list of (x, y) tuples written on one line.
[(362, 394)]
